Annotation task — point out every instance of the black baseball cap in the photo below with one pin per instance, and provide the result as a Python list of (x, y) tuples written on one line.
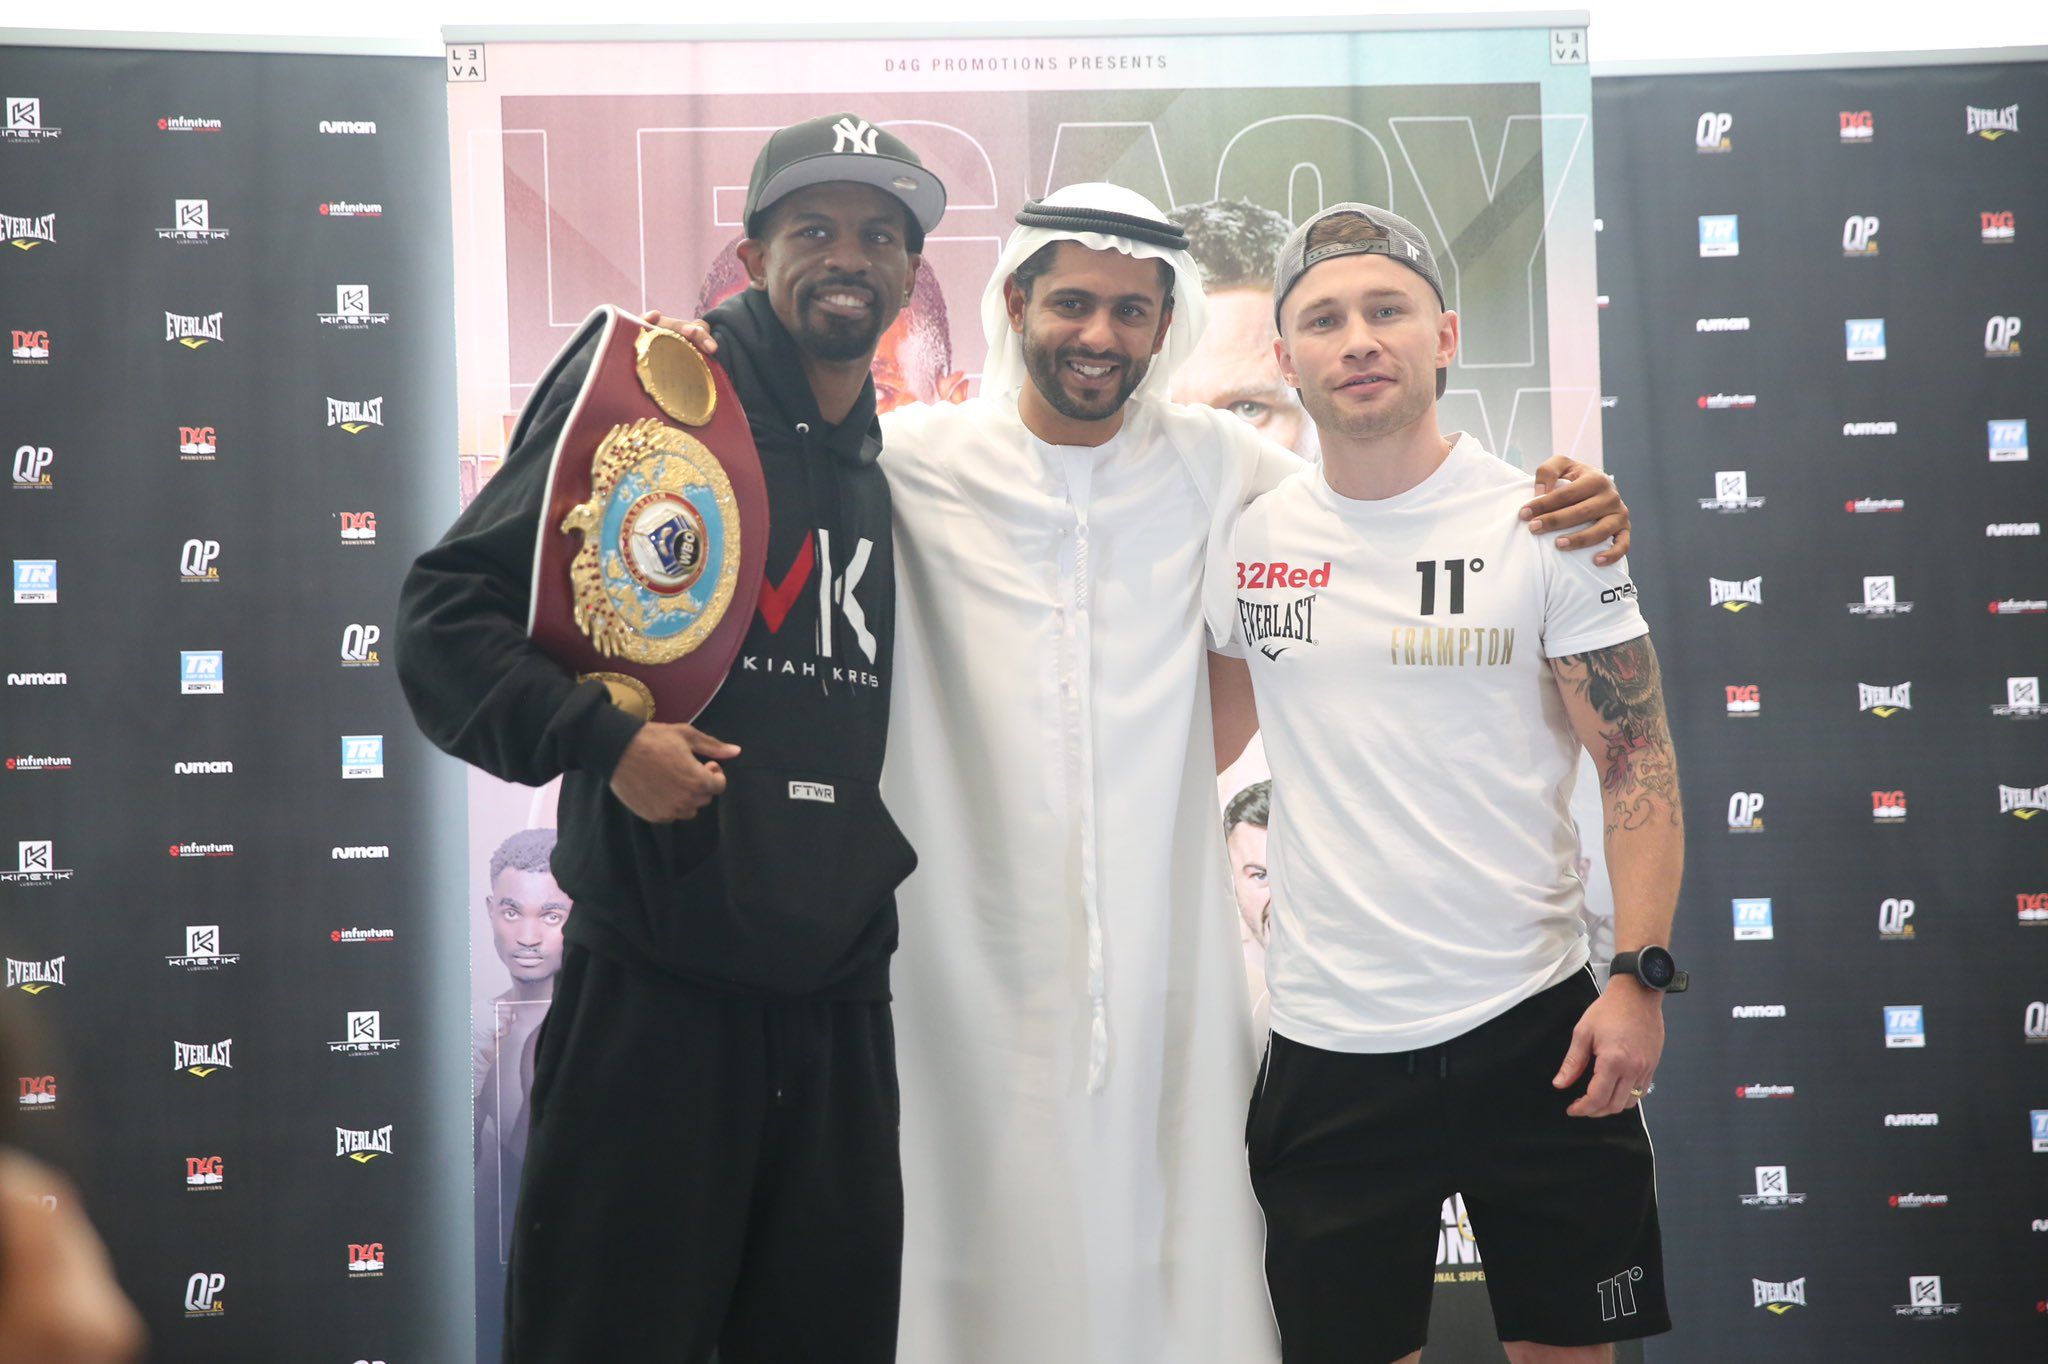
[(844, 147)]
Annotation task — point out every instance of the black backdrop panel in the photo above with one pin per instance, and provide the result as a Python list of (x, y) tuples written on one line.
[(1816, 341), (227, 403)]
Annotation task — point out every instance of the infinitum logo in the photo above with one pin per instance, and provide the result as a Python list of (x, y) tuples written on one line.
[(1865, 506), (1731, 594), (202, 850), (1722, 402), (1884, 702), (2019, 606), (1990, 124), (1766, 1091), (1731, 493), (33, 762), (355, 935), (1908, 1201), (350, 208), (187, 123)]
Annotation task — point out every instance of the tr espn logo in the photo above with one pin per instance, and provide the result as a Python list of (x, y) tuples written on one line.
[(1752, 920), (1863, 338), (35, 582), (1720, 235), (2008, 440), (1905, 1025), (31, 469), (201, 672), (362, 757)]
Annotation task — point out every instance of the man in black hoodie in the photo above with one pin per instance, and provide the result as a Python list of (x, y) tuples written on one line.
[(713, 1156)]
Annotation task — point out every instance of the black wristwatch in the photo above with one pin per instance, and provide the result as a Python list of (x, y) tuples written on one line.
[(1652, 966)]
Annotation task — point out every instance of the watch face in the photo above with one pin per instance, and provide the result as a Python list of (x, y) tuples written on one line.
[(1657, 967)]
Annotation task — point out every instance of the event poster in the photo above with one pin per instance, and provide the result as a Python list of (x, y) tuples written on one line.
[(595, 172)]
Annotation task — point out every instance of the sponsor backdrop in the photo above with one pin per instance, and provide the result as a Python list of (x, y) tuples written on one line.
[(226, 406), (569, 193), (1821, 288)]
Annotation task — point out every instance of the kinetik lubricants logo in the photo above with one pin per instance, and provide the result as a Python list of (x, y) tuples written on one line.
[(24, 121)]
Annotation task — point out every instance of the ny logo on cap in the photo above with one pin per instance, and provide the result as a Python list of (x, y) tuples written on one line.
[(851, 134)]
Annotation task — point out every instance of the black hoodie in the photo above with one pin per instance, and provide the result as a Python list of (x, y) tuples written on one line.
[(784, 885)]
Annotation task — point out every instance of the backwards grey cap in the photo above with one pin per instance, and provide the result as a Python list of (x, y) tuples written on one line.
[(1380, 233)]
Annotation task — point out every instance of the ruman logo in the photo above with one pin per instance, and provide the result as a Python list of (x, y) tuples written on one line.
[(1756, 1011), (1870, 428), (1721, 324), (359, 852), (38, 679), (1912, 1120), (345, 127), (1999, 530)]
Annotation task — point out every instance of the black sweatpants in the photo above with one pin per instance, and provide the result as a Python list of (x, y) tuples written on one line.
[(706, 1172)]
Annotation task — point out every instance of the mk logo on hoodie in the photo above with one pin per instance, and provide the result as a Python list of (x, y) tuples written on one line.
[(837, 599)]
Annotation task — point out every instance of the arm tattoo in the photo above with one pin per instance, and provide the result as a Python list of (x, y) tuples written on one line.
[(1638, 768)]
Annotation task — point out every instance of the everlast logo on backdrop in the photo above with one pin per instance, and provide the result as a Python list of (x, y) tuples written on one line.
[(355, 417), (362, 1146), (1779, 1298), (1990, 124), (28, 233), (1884, 702), (34, 977), (2021, 803), (192, 331), (202, 1059), (1733, 595)]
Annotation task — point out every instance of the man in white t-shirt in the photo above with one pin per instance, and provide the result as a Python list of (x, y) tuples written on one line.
[(1425, 675)]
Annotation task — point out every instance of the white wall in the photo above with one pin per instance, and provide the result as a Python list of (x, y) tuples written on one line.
[(1622, 30)]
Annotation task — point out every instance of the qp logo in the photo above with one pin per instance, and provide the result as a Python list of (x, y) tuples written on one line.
[(1746, 812), (202, 1294), (2001, 338), (1905, 1025), (196, 561), (359, 646), (1859, 235), (32, 466), (1710, 134), (1720, 234), (1895, 918)]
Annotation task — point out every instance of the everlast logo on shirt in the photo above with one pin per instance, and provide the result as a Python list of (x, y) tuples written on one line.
[(1275, 627)]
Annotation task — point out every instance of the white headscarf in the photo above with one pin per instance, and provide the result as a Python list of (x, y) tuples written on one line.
[(1004, 369)]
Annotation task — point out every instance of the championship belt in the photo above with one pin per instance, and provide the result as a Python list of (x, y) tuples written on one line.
[(654, 536)]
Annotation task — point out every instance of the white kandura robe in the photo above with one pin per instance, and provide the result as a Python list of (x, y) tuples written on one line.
[(1070, 1000)]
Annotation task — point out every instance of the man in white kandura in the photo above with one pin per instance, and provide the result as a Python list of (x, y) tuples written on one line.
[(1069, 992)]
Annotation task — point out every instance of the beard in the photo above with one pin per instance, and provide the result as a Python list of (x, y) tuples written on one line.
[(838, 339), (1046, 365), (1409, 403)]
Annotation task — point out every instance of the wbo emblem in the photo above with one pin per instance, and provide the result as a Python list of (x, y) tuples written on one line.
[(661, 544), (653, 538)]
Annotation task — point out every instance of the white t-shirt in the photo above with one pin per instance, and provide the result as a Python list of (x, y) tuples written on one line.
[(1421, 847)]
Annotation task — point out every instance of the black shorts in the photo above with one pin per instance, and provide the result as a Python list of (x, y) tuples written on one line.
[(1352, 1156)]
